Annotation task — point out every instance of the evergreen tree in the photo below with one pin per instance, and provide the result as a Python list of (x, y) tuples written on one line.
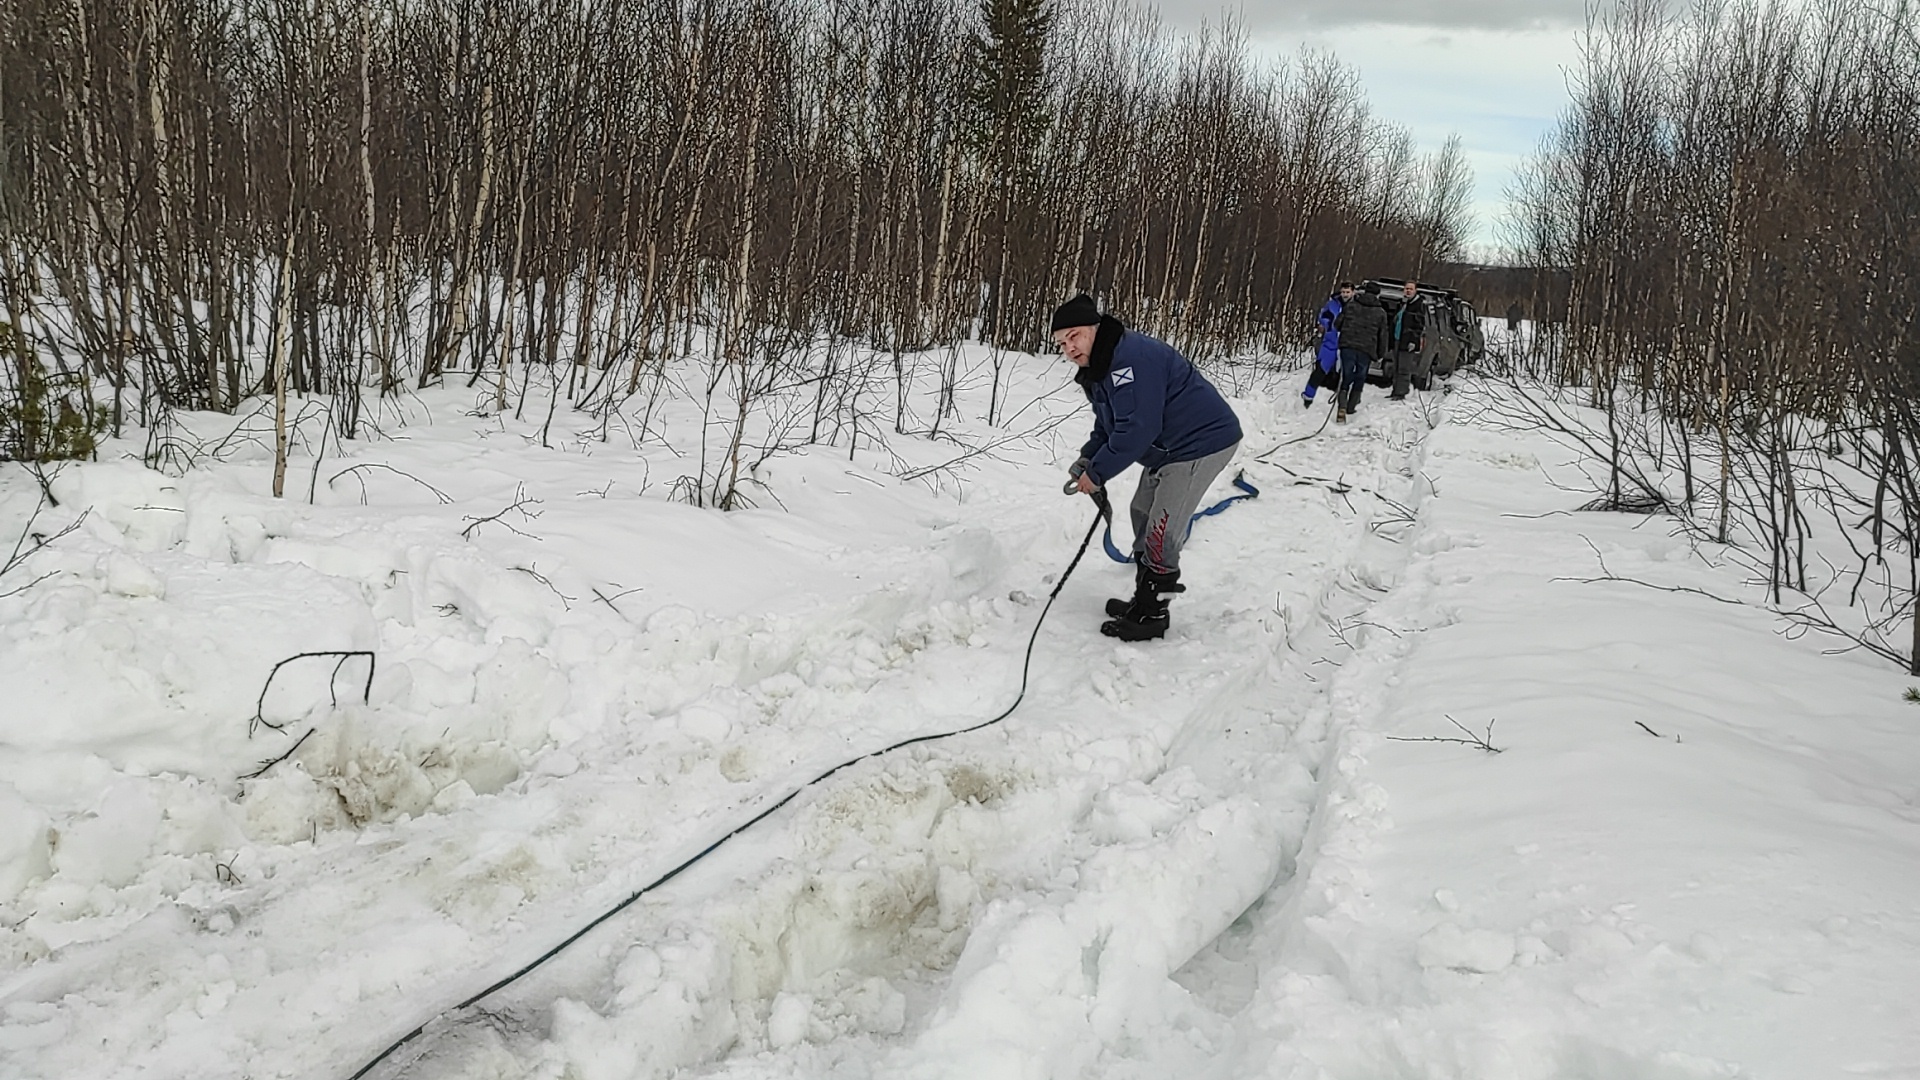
[(1006, 99), (1006, 83)]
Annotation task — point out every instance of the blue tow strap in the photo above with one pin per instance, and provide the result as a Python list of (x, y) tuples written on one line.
[(1239, 481)]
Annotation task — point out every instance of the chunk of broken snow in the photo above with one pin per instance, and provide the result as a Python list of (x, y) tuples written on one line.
[(23, 843), (128, 576), (788, 1022), (1450, 946)]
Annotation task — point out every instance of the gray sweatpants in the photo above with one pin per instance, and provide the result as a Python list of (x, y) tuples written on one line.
[(1163, 508)]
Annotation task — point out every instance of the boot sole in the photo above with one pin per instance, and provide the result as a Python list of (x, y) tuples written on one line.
[(1128, 630)]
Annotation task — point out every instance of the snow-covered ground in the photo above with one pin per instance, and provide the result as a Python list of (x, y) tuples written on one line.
[(1233, 853)]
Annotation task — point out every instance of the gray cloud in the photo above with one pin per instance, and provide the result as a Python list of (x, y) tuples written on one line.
[(1268, 16)]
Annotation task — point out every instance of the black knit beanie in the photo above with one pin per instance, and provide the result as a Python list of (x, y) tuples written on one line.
[(1079, 311)]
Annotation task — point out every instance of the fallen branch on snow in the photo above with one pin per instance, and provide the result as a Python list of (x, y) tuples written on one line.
[(534, 573), (1484, 742), (1609, 575), (437, 493), (521, 501), (1655, 734), (366, 693), (271, 762), (608, 600)]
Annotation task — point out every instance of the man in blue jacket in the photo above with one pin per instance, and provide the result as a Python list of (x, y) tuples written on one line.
[(1151, 408)]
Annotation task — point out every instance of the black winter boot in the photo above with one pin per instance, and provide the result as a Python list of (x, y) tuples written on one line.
[(1146, 617), (1116, 608)]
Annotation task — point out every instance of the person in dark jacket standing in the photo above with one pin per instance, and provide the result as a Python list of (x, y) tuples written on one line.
[(1407, 328), (1151, 408), (1363, 339), (1326, 367)]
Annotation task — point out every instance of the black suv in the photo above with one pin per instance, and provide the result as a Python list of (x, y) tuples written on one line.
[(1452, 339)]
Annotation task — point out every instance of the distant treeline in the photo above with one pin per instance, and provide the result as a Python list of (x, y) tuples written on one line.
[(1733, 197), (373, 193), (1528, 292)]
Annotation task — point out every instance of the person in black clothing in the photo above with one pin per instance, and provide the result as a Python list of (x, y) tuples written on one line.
[(1407, 326), (1363, 338)]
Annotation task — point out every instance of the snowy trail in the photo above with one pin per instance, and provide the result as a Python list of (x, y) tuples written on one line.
[(1176, 801), (1134, 781)]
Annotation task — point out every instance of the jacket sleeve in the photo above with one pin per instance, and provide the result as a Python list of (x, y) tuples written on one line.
[(1139, 408), (1098, 439)]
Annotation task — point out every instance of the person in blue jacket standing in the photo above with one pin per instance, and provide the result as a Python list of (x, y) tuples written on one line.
[(1151, 408), (1326, 369)]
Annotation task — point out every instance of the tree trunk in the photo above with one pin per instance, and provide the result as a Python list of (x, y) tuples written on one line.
[(282, 319)]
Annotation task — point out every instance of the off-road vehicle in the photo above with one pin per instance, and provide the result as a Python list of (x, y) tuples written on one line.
[(1451, 340)]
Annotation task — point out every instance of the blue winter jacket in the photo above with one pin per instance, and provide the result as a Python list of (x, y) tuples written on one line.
[(1329, 355), (1149, 406)]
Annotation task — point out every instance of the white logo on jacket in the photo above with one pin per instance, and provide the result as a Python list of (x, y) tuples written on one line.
[(1123, 376)]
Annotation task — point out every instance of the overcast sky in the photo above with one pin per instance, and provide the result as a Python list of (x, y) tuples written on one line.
[(1516, 15), (1492, 70)]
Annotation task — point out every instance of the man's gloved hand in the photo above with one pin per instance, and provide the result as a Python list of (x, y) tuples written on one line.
[(1074, 473)]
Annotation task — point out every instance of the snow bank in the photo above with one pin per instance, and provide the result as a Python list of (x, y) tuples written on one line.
[(1043, 987)]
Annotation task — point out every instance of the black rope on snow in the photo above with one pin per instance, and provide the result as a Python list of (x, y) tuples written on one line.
[(1105, 514), (1263, 455)]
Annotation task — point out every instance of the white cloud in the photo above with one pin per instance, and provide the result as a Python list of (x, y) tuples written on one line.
[(1501, 90), (1262, 16)]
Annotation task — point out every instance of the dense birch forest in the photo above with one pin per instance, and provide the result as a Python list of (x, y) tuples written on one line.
[(206, 203)]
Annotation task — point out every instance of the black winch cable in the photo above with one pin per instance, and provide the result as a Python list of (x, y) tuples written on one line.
[(1265, 454), (1105, 513)]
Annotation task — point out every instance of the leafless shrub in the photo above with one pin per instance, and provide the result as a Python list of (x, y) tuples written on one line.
[(1731, 196), (31, 541)]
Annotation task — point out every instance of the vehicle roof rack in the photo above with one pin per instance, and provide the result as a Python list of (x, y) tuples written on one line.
[(1400, 283)]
